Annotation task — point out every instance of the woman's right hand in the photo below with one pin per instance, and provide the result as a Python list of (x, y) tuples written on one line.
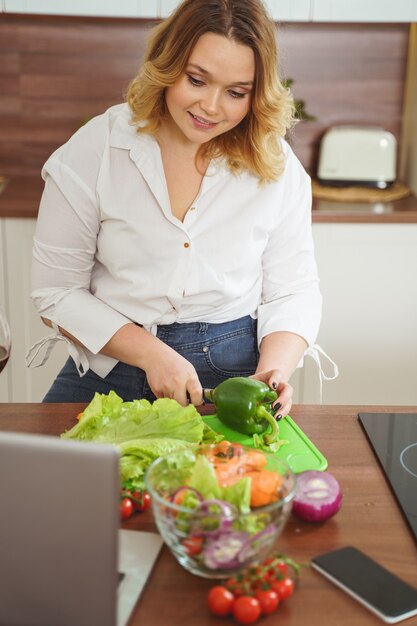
[(170, 375)]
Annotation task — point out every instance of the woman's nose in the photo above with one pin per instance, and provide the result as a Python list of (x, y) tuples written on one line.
[(211, 101)]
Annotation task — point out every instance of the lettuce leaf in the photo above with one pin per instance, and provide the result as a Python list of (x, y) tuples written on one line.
[(137, 454), (107, 419), (141, 431)]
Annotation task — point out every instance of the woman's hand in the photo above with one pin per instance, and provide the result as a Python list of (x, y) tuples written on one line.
[(285, 392), (171, 376), (284, 349)]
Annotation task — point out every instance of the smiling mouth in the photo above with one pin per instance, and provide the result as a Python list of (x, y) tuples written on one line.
[(202, 121)]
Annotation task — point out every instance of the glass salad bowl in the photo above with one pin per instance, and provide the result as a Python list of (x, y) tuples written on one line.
[(220, 508)]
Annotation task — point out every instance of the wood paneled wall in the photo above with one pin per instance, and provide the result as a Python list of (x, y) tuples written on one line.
[(57, 71), (347, 74)]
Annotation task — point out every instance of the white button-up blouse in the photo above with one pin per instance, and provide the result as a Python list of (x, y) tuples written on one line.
[(108, 251)]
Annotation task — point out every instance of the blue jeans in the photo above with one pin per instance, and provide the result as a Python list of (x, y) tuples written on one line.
[(217, 351)]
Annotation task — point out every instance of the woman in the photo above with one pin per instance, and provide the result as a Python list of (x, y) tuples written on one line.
[(173, 247)]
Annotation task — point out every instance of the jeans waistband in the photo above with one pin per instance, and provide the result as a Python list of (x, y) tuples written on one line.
[(179, 332)]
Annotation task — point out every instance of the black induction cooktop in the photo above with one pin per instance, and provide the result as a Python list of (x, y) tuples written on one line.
[(393, 437)]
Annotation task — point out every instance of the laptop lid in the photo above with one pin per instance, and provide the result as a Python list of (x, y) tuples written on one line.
[(59, 521)]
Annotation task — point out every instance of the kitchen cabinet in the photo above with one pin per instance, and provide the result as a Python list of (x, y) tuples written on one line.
[(364, 11), (100, 8), (369, 324), (23, 384), (289, 11), (331, 10), (280, 10), (167, 6)]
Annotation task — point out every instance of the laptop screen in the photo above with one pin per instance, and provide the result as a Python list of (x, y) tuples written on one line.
[(58, 532)]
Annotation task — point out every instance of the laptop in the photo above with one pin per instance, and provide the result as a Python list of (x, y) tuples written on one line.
[(63, 558)]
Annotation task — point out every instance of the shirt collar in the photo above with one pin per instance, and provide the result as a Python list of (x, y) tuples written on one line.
[(123, 133), (145, 152)]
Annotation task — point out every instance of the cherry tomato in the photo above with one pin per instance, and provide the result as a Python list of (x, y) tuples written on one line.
[(246, 610), (125, 509), (268, 601), (193, 545), (237, 588), (220, 601), (278, 570), (282, 570), (283, 587), (141, 501)]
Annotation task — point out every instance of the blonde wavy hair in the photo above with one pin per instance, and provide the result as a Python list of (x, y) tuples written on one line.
[(254, 144)]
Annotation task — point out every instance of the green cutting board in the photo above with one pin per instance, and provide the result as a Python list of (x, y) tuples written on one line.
[(300, 453)]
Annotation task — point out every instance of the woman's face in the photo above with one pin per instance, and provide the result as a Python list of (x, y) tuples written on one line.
[(213, 94)]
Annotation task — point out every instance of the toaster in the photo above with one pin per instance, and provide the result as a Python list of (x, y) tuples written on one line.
[(357, 155)]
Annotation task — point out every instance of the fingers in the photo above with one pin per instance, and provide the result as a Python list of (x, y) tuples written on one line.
[(284, 403), (273, 378), (191, 391), (183, 392), (170, 375), (195, 392), (180, 395)]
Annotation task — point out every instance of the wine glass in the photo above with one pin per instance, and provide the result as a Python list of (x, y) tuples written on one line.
[(5, 340)]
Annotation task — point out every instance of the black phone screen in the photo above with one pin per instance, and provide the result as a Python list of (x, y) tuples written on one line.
[(380, 590)]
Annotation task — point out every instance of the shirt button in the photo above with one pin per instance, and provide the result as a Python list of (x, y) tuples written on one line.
[(193, 208), (186, 245)]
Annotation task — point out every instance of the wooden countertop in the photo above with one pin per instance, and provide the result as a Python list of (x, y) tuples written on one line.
[(369, 519), (21, 197)]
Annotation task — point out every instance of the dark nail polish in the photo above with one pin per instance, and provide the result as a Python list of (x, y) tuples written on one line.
[(274, 385), (278, 417), (277, 406)]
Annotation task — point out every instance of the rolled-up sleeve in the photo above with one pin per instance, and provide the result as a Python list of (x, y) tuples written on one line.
[(291, 299), (64, 251)]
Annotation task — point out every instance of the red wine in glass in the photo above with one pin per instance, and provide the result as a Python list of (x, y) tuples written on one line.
[(5, 340), (4, 357)]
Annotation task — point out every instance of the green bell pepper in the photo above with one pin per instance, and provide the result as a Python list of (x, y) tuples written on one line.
[(245, 405)]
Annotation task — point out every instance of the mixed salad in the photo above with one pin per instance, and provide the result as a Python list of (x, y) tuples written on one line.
[(219, 506)]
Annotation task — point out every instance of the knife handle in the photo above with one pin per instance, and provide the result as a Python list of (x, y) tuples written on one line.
[(208, 395)]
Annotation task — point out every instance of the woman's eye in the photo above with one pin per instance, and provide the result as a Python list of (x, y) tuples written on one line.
[(194, 81), (237, 94)]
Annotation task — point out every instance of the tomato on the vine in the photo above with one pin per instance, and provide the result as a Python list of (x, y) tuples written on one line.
[(125, 508), (141, 500), (268, 600), (259, 590), (246, 610), (283, 587), (237, 588), (279, 569), (220, 601), (282, 569)]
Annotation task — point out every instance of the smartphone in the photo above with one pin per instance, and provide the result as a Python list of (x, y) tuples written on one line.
[(364, 579)]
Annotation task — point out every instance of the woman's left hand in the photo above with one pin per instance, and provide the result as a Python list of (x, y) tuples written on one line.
[(285, 392)]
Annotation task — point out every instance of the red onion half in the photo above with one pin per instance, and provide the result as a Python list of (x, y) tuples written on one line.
[(318, 496)]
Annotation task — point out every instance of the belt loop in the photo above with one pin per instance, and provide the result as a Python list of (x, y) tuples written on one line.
[(202, 328)]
